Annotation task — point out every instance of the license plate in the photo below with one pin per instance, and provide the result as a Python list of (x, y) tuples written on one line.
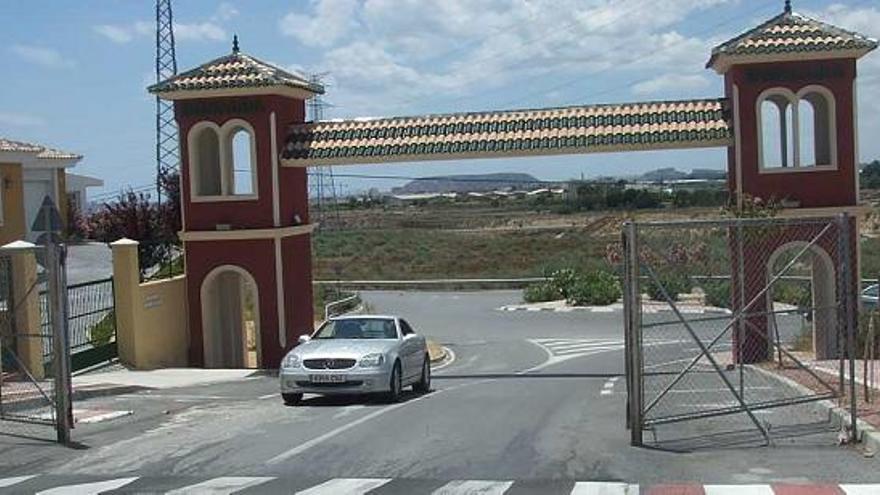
[(327, 378)]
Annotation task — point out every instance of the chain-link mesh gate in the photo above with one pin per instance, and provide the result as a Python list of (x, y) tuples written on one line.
[(725, 321), (27, 387)]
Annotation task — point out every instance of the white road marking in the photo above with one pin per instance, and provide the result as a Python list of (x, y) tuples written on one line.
[(88, 488), (268, 396), (4, 482), (473, 487), (860, 489), (347, 486), (606, 392), (223, 485), (450, 358), (299, 449), (737, 489), (599, 488), (608, 384)]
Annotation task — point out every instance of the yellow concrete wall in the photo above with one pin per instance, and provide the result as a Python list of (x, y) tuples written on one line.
[(62, 197), (13, 228), (151, 317), (161, 338)]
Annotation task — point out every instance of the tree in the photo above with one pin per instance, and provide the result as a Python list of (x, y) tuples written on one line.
[(870, 176)]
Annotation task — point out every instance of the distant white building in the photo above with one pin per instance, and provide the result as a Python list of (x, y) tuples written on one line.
[(77, 185)]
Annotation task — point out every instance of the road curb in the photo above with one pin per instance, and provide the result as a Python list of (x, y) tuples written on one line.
[(868, 435), (436, 352)]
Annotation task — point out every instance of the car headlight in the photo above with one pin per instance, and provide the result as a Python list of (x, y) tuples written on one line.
[(372, 361), (290, 361)]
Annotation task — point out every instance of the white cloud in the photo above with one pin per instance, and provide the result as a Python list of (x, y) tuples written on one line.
[(331, 21), (42, 56), (405, 52), (671, 82), (208, 30), (199, 31), (115, 34), (20, 120)]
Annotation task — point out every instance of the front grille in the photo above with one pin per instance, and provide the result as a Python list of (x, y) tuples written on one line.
[(328, 364), (350, 383)]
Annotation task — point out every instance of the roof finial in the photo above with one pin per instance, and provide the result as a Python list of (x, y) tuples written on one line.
[(788, 6), (234, 43)]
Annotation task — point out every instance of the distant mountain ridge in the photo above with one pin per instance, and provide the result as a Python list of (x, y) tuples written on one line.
[(470, 183)]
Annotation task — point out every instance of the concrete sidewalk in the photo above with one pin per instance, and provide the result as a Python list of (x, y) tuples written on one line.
[(160, 378)]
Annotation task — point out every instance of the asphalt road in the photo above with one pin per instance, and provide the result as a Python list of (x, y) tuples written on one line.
[(530, 396)]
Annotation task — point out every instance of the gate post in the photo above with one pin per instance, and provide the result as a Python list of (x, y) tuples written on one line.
[(126, 280), (632, 337), (26, 312), (851, 325)]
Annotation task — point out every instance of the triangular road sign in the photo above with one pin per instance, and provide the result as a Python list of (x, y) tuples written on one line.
[(48, 219)]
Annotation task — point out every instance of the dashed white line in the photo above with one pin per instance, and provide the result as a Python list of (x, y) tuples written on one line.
[(349, 486)]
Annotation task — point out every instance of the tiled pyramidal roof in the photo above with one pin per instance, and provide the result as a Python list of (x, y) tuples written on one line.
[(41, 151), (234, 71), (579, 129), (792, 33)]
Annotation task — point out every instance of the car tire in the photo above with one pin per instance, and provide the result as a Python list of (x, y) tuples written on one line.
[(395, 385), (423, 386), (291, 399)]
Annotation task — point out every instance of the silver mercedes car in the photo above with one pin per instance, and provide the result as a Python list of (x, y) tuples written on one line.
[(357, 354)]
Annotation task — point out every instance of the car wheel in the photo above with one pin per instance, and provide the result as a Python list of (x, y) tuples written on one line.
[(396, 385), (423, 386), (291, 399)]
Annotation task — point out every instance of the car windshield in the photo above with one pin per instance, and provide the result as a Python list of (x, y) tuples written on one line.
[(360, 328), (871, 291)]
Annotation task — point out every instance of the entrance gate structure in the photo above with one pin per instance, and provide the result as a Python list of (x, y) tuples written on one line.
[(774, 294), (787, 120)]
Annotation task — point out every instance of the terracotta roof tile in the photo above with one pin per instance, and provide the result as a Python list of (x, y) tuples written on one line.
[(577, 129), (791, 32), (236, 70), (41, 151)]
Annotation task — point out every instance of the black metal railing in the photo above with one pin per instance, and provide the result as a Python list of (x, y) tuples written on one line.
[(91, 320)]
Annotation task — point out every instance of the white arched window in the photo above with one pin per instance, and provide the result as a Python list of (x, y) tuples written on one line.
[(223, 161), (240, 147), (796, 131), (205, 168)]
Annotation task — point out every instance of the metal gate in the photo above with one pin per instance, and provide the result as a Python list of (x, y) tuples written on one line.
[(27, 391), (736, 329), (92, 323)]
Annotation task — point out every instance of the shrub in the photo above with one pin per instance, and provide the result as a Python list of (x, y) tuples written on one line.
[(541, 292), (563, 281), (674, 284), (597, 288), (717, 293), (792, 293), (104, 331)]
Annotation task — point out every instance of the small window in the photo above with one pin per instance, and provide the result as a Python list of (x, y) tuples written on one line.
[(796, 130), (405, 329), (241, 144), (207, 167)]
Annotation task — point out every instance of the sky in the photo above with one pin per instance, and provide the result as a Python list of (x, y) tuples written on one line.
[(75, 72)]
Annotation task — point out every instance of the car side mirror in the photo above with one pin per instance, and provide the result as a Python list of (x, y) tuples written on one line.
[(303, 339)]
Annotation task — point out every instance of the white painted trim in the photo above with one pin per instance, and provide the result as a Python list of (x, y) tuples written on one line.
[(832, 120), (737, 139), (279, 294), (222, 199), (276, 200), (724, 62), (246, 234), (227, 132), (855, 130), (193, 166), (794, 100), (299, 94), (209, 278), (362, 160)]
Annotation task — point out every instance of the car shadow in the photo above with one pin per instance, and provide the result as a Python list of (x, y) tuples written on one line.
[(369, 400)]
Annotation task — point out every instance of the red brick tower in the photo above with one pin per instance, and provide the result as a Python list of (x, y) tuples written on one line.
[(246, 228)]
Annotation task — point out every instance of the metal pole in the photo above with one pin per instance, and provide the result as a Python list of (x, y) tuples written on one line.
[(58, 314), (742, 300), (633, 298), (846, 266)]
